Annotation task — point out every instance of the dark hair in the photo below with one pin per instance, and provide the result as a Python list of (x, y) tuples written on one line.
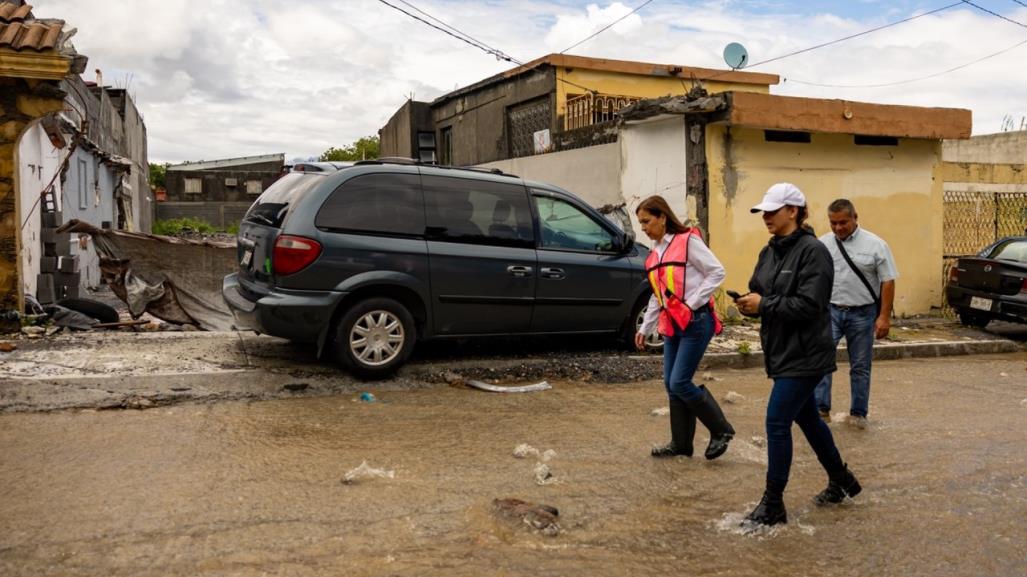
[(840, 205), (801, 214), (656, 205)]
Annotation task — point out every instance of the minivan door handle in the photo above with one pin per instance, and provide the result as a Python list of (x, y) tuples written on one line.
[(519, 271), (553, 273)]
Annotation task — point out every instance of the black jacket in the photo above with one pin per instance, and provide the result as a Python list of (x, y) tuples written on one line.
[(793, 276)]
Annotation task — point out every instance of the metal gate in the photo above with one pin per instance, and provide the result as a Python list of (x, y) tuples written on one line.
[(523, 121), (973, 220)]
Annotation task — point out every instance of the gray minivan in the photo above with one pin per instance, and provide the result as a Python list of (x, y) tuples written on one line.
[(366, 260)]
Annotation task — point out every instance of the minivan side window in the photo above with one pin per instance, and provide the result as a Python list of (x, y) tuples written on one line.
[(478, 211), (565, 226), (375, 203)]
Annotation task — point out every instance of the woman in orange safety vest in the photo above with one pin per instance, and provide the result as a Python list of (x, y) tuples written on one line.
[(683, 273)]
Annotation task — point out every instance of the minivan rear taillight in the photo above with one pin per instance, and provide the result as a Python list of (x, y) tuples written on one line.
[(294, 253)]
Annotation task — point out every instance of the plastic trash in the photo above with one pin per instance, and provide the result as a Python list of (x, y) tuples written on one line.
[(733, 397), (365, 471), (660, 412), (367, 397), (498, 389)]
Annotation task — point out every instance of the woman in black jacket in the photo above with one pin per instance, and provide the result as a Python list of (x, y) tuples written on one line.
[(791, 290)]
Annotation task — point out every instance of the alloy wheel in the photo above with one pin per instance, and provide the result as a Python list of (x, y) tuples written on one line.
[(377, 338)]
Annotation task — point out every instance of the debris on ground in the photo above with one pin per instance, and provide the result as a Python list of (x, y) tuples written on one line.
[(367, 397), (453, 379), (660, 411), (733, 397), (365, 471), (6, 347), (137, 402), (543, 476), (759, 441), (541, 518), (525, 450), (500, 389), (708, 376), (295, 386)]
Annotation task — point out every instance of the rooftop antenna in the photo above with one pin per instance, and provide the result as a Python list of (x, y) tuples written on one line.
[(736, 56)]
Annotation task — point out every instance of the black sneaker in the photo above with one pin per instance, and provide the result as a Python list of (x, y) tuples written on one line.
[(770, 511), (839, 486)]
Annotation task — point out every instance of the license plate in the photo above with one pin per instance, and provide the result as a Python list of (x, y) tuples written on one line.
[(980, 304), (248, 256)]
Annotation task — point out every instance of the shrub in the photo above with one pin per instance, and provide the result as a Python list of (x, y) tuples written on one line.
[(179, 225)]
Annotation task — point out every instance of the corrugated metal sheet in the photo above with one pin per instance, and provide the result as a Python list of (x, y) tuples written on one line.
[(19, 31)]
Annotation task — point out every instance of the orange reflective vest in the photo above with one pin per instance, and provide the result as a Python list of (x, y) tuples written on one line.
[(667, 278)]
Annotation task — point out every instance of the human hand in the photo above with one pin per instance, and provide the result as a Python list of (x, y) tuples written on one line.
[(749, 304), (640, 341), (882, 326)]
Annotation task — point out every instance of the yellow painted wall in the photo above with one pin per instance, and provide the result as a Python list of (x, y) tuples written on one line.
[(621, 84), (897, 191)]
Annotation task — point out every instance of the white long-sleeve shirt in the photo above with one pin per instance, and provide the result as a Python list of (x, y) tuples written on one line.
[(703, 275)]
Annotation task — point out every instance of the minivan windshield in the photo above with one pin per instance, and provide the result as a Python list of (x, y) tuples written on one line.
[(272, 206)]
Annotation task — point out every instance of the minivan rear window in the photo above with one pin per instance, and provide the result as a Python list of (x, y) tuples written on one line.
[(271, 207), (375, 203)]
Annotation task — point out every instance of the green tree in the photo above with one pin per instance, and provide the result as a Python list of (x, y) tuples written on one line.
[(157, 173), (364, 148)]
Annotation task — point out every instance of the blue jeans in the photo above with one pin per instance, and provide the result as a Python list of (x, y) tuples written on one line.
[(857, 326), (791, 400), (682, 353)]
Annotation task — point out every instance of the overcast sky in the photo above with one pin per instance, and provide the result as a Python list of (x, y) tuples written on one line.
[(227, 78)]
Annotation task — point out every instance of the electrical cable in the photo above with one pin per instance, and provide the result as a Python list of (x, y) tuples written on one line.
[(911, 80), (461, 32), (849, 37), (498, 54), (995, 14), (1020, 3), (607, 27)]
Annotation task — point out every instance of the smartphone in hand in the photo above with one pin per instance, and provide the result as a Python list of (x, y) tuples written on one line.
[(733, 294)]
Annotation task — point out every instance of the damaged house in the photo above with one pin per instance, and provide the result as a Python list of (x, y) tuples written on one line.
[(78, 151)]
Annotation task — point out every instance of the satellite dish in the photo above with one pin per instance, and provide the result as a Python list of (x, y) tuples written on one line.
[(736, 56)]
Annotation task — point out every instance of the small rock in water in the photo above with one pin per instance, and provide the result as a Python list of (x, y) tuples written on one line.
[(733, 397), (708, 376), (6, 347), (660, 412), (295, 386), (525, 450), (548, 455), (759, 441), (1003, 374)]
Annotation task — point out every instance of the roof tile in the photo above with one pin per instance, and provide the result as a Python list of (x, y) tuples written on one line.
[(20, 31)]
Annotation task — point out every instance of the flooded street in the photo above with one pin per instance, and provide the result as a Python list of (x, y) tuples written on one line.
[(256, 488)]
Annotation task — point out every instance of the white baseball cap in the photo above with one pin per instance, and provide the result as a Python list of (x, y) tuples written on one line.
[(781, 194)]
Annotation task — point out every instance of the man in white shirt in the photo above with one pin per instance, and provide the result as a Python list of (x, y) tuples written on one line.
[(854, 302)]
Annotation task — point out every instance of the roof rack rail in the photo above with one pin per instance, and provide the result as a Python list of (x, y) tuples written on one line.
[(414, 162)]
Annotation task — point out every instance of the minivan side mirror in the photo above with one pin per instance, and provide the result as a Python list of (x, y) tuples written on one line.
[(624, 243)]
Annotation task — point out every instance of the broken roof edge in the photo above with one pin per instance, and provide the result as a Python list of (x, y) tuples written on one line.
[(798, 113), (622, 66)]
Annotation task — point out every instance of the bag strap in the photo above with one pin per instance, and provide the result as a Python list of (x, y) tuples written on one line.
[(856, 270)]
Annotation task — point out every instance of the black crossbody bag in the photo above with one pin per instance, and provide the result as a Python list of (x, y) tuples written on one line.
[(855, 269)]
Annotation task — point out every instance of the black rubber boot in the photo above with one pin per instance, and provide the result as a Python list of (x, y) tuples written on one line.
[(682, 431), (721, 431), (839, 485), (770, 510)]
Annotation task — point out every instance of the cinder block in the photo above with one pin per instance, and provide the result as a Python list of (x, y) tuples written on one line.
[(70, 292), (68, 264), (67, 279), (48, 264), (50, 249), (53, 219), (45, 289), (48, 235)]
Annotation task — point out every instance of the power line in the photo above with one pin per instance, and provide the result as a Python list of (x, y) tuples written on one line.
[(498, 54), (467, 39), (995, 14), (607, 27), (911, 80), (1020, 3), (461, 32), (851, 36)]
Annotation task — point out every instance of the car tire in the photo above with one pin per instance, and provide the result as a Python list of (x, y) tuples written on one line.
[(973, 320), (375, 337), (96, 309), (654, 342)]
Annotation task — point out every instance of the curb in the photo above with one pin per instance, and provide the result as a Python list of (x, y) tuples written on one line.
[(882, 352)]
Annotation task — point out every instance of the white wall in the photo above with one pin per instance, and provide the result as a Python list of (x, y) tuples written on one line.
[(1001, 148), (653, 162), (592, 173), (38, 162)]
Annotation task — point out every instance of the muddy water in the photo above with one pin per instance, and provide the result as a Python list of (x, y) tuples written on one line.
[(255, 488)]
